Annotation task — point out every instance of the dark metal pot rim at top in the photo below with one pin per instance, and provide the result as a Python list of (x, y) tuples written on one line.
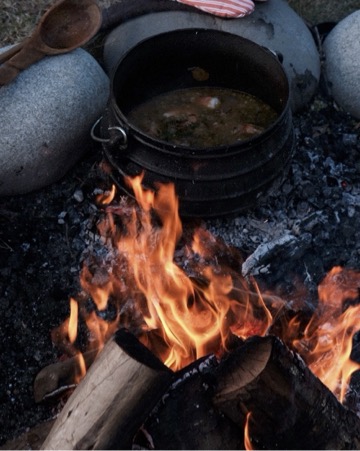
[(130, 129), (209, 181)]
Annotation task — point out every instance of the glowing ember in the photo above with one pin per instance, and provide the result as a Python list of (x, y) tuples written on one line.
[(183, 300)]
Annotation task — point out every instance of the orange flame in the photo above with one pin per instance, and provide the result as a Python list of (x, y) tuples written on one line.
[(247, 441), (80, 367), (106, 197), (185, 308), (189, 317), (327, 341), (65, 336), (73, 320)]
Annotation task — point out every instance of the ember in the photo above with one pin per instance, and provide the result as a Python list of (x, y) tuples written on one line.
[(186, 302)]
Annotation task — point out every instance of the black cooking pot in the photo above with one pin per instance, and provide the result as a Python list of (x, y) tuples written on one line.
[(209, 181)]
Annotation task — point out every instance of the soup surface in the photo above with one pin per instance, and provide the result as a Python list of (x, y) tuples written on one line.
[(203, 117)]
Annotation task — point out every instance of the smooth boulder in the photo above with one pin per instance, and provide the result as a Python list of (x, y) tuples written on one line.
[(273, 24), (322, 11), (46, 115), (342, 63)]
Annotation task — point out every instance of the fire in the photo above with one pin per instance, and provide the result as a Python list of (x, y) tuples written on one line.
[(65, 336), (327, 340), (184, 316), (247, 441), (183, 300), (73, 320), (106, 197)]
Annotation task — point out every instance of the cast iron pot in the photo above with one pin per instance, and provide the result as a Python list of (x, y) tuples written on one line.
[(208, 181)]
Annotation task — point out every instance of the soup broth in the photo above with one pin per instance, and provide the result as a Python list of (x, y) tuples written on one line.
[(203, 117)]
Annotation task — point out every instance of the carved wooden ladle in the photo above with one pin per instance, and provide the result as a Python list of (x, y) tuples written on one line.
[(68, 24)]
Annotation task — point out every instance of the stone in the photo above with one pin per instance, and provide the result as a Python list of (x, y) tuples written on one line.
[(322, 11), (46, 116), (273, 24), (342, 63)]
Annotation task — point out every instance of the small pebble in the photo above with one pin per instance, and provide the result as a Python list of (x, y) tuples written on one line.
[(349, 139), (78, 195), (61, 217)]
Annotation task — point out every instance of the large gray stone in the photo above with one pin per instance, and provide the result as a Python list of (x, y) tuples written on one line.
[(273, 25), (320, 11), (46, 114), (342, 63)]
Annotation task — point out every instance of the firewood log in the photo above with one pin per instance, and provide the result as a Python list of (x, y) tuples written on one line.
[(185, 418), (59, 377), (290, 407), (113, 400)]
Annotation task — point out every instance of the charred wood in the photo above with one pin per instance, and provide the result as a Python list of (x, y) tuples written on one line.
[(185, 418), (60, 377), (290, 407), (284, 247)]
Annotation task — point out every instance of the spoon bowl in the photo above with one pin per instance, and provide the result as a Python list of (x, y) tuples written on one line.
[(68, 24)]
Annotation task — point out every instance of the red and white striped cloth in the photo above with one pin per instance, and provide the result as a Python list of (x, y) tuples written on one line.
[(223, 8)]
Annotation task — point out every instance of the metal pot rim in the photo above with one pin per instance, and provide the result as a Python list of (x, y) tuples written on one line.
[(199, 152)]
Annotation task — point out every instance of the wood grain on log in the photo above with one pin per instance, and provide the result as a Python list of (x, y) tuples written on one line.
[(110, 404)]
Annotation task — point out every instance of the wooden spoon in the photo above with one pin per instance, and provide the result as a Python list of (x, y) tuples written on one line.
[(68, 24)]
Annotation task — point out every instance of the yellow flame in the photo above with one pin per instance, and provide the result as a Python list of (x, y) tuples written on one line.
[(327, 342), (247, 441), (73, 320), (183, 313), (107, 197)]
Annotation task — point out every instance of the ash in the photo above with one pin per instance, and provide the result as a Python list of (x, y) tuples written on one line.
[(312, 222), (309, 225)]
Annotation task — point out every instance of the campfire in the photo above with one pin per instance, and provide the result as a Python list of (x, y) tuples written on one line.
[(178, 296)]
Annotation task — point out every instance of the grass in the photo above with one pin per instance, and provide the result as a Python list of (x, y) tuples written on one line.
[(19, 18)]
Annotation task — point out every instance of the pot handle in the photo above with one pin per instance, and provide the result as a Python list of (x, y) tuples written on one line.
[(121, 135)]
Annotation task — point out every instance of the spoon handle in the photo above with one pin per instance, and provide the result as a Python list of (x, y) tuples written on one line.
[(10, 52), (26, 56)]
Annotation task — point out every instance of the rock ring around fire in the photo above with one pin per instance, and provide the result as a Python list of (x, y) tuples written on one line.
[(46, 115), (342, 63)]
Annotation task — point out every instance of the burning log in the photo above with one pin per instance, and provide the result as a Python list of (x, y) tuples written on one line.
[(186, 417), (192, 311), (62, 376), (290, 407), (112, 401), (260, 384)]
